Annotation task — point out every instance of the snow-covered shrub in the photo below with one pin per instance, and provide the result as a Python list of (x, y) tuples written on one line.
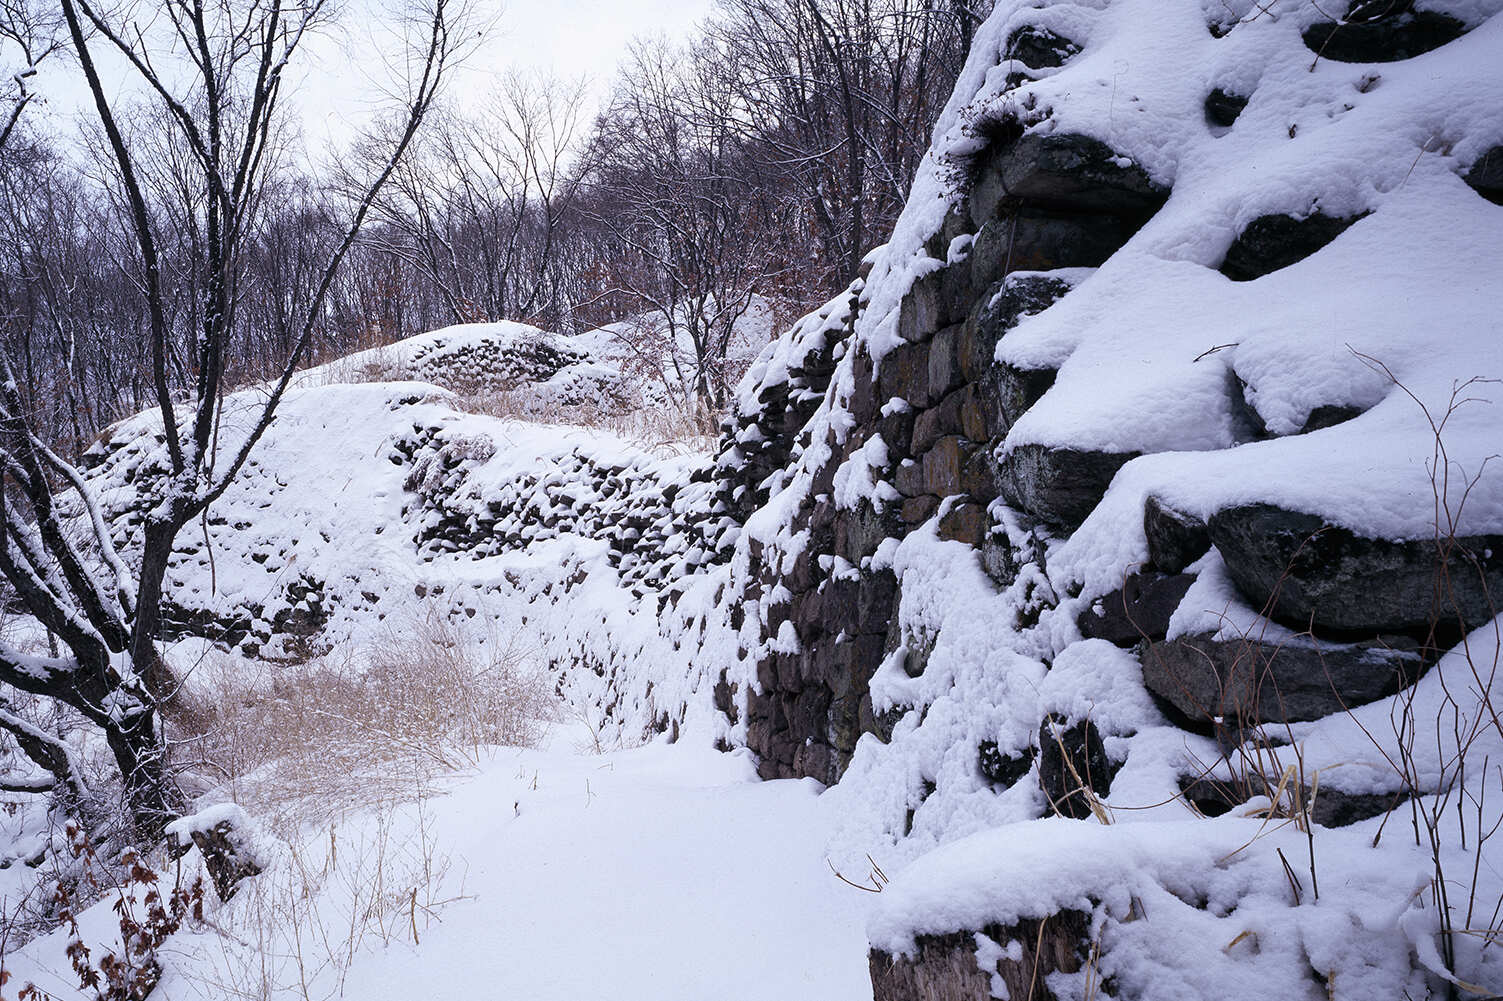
[(366, 881)]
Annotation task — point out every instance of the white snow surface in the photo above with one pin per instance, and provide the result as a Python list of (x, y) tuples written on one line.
[(630, 870), (657, 872)]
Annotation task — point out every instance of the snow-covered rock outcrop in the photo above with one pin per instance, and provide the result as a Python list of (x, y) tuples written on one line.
[(1123, 543), (1151, 486)]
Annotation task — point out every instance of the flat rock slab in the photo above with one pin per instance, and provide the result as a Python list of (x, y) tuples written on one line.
[(1206, 680), (1175, 539), (1485, 175), (1272, 242), (1224, 107), (1039, 48), (946, 968), (1058, 485), (1140, 609), (1309, 571), (1065, 172), (1073, 767), (1000, 308), (1384, 40)]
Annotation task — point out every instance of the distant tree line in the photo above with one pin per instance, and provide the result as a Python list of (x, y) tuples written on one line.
[(762, 157)]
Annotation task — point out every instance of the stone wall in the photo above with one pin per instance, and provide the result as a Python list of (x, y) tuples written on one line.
[(1040, 209)]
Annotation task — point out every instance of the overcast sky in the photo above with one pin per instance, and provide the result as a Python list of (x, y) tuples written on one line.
[(570, 38)]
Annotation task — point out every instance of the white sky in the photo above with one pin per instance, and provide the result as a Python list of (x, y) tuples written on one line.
[(570, 38)]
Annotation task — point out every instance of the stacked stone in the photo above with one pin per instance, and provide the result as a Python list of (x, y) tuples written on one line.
[(1370, 614), (658, 525), (759, 442), (494, 365), (1040, 206), (941, 404)]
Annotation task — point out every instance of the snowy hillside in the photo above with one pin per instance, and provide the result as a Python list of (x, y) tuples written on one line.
[(1117, 559)]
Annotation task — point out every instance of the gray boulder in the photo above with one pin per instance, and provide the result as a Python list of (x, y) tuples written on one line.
[(1272, 242), (1208, 682), (1058, 485), (1486, 175), (1310, 572), (1382, 33), (1175, 539), (1062, 172), (1073, 767)]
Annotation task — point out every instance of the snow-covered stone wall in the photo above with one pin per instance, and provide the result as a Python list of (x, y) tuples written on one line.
[(1152, 484), (1122, 546)]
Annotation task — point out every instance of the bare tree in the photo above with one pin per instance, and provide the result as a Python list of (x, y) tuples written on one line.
[(29, 32), (673, 188), (476, 213), (837, 97), (213, 74)]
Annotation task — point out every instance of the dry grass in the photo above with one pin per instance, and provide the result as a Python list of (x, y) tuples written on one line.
[(676, 427), (295, 930), (300, 744)]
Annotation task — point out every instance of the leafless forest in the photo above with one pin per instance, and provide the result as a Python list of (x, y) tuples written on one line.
[(765, 156)]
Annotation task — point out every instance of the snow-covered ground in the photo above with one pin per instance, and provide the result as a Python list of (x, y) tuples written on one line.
[(663, 871)]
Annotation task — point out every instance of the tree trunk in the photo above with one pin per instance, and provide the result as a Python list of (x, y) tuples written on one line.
[(156, 551), (150, 791)]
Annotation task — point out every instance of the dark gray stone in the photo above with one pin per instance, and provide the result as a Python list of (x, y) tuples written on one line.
[(1138, 610), (999, 560), (1073, 767), (1070, 173), (997, 310), (1272, 242), (1328, 415), (860, 530), (909, 479), (1003, 770), (944, 360), (1222, 108), (1485, 175), (1006, 392), (1333, 808), (1175, 539), (1058, 485), (979, 476), (1245, 682), (1309, 571), (1255, 427), (937, 299), (944, 967), (1039, 48), (904, 373), (229, 854), (864, 405), (957, 222), (1403, 34), (1031, 238)]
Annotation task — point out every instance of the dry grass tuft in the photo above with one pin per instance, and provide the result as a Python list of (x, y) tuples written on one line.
[(303, 743)]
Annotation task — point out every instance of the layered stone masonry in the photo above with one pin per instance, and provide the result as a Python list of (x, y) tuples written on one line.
[(658, 527), (1039, 209), (494, 364)]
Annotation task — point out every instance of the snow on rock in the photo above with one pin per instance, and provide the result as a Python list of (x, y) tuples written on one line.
[(1114, 293), (369, 506), (1193, 307)]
